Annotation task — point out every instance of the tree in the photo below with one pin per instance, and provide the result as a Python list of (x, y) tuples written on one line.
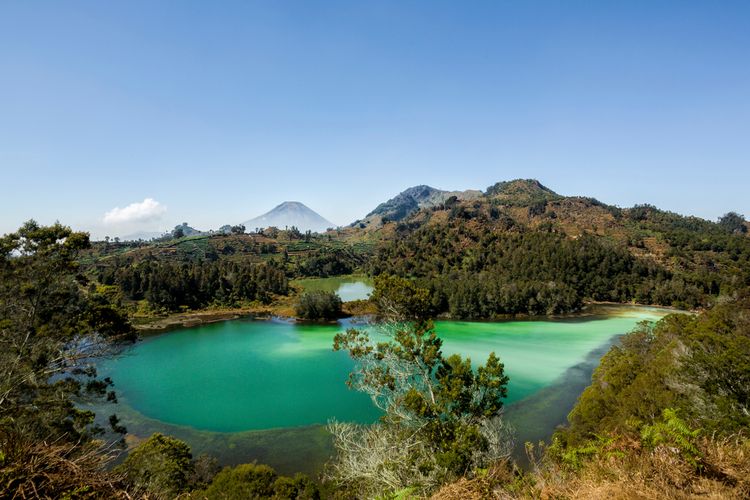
[(319, 305), (256, 481), (733, 222), (205, 468), (441, 420), (698, 365), (51, 328), (399, 298), (161, 465)]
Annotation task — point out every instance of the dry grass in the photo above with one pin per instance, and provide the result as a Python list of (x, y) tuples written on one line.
[(489, 485), (57, 470), (631, 473)]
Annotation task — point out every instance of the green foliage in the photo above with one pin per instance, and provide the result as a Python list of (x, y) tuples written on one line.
[(673, 432), (238, 229), (669, 432), (319, 305), (698, 366), (51, 328), (523, 192), (437, 411), (712, 258), (575, 457), (399, 298), (161, 465), (733, 223), (327, 262), (486, 257), (474, 273), (253, 481), (171, 285)]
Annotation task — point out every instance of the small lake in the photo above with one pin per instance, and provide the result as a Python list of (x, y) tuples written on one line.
[(247, 389), (349, 288)]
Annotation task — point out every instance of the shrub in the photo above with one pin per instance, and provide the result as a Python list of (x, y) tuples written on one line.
[(252, 481), (319, 305), (161, 465)]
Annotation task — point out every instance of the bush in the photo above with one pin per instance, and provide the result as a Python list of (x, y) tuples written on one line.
[(161, 465), (319, 305), (252, 481)]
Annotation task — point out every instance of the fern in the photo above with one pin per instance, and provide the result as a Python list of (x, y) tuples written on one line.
[(575, 458), (673, 431)]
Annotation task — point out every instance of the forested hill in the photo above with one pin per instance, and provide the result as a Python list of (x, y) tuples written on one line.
[(522, 248), (516, 248), (227, 270)]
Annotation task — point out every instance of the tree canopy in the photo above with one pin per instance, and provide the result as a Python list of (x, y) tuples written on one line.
[(319, 305), (51, 325), (441, 418)]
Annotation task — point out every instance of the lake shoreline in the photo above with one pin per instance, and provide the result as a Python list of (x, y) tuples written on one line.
[(203, 317), (282, 306)]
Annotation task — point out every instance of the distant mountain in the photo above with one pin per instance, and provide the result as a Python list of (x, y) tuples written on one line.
[(288, 214), (413, 199)]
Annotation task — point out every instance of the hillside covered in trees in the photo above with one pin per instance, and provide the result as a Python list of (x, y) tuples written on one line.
[(216, 270), (515, 248), (521, 248)]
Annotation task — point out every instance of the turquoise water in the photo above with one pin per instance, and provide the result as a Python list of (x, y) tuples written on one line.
[(250, 375), (240, 375)]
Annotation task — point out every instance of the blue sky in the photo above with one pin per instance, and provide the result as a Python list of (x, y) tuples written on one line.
[(218, 111)]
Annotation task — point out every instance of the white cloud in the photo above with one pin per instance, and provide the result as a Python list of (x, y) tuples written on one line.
[(147, 210)]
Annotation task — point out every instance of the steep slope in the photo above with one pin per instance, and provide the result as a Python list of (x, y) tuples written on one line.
[(410, 201), (288, 214), (407, 202)]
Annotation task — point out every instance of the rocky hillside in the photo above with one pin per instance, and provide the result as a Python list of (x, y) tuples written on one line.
[(410, 201)]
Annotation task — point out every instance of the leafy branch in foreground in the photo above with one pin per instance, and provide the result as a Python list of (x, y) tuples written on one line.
[(51, 328), (442, 419)]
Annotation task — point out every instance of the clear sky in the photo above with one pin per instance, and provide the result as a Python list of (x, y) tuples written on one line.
[(214, 112)]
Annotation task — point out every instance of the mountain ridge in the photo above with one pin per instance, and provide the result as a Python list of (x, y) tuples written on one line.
[(410, 201)]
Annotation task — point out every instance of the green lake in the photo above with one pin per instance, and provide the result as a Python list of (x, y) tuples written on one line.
[(252, 389), (347, 287)]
